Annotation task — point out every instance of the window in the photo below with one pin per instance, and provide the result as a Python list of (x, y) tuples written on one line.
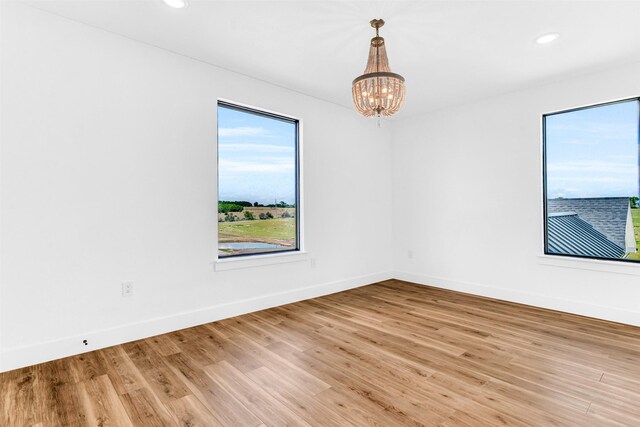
[(591, 182), (258, 182)]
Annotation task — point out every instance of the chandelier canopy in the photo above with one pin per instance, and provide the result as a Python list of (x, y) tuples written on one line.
[(378, 92)]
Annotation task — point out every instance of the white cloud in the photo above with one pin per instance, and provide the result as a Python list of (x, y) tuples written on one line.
[(593, 179), (593, 167), (600, 130), (262, 148), (630, 158), (272, 166), (242, 131)]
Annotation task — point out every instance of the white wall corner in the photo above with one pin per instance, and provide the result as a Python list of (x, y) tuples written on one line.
[(18, 357)]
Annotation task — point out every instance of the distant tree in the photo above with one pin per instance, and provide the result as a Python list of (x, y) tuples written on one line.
[(248, 215), (281, 204), (255, 204), (262, 215), (230, 217), (269, 216), (634, 201), (226, 207)]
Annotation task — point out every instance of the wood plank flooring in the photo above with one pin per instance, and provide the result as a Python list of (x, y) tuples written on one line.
[(388, 354)]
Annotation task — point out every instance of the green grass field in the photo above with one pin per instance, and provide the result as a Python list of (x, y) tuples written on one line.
[(635, 214), (277, 230)]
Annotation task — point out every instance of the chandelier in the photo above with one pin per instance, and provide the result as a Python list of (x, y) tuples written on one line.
[(378, 92)]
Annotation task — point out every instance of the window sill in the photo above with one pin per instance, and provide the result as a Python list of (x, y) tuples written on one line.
[(251, 261), (604, 266)]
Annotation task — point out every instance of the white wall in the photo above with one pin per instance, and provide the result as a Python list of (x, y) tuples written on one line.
[(470, 180), (109, 174)]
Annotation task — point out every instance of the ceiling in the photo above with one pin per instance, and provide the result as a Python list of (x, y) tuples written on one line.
[(450, 52)]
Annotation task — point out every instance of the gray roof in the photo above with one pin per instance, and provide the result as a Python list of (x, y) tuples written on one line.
[(568, 234), (608, 215)]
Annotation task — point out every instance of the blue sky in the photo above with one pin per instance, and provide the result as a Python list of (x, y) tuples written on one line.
[(593, 152), (256, 158)]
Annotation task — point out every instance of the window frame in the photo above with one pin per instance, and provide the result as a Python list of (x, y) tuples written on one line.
[(267, 257), (545, 243)]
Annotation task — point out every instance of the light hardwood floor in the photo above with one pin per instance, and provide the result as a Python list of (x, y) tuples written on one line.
[(387, 354)]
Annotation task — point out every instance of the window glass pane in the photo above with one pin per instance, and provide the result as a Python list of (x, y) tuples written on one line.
[(591, 182), (257, 182)]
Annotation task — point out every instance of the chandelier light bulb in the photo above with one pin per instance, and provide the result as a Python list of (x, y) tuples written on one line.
[(176, 4), (547, 38)]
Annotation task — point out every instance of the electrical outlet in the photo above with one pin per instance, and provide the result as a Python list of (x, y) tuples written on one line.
[(313, 263), (410, 254), (127, 289)]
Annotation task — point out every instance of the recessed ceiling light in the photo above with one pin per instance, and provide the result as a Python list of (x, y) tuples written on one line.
[(545, 38), (176, 4)]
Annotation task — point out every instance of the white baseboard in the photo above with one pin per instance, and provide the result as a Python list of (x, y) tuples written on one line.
[(18, 357), (613, 314)]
